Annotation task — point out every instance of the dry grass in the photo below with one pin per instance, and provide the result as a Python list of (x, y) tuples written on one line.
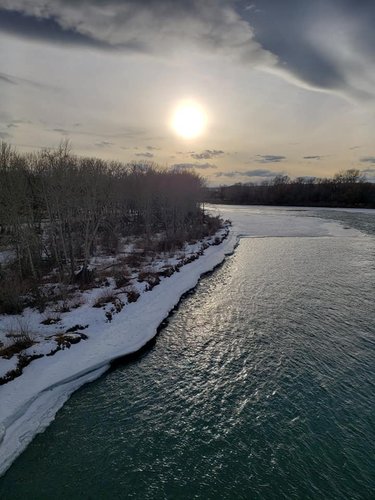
[(132, 295), (122, 277), (151, 278), (50, 319), (104, 298), (19, 339)]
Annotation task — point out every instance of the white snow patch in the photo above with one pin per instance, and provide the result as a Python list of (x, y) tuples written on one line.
[(30, 402), (7, 365)]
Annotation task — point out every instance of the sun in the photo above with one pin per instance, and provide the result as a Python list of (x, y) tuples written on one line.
[(189, 120)]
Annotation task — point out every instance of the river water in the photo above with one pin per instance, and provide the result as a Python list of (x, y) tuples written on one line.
[(261, 386)]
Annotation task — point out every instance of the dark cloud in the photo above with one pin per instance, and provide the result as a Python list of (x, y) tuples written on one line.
[(322, 44), (313, 157), (4, 135), (326, 44), (249, 173), (147, 154), (207, 154), (148, 26), (39, 28), (199, 166), (269, 158), (368, 159)]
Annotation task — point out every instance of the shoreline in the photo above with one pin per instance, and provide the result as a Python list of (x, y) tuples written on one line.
[(28, 408)]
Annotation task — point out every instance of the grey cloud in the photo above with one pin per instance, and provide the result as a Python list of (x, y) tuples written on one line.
[(369, 173), (145, 155), (5, 135), (26, 25), (269, 158), (314, 157), (126, 132), (21, 122), (207, 154), (152, 148), (249, 173), (325, 44), (138, 25), (16, 80), (228, 174), (7, 79), (261, 173), (104, 144), (368, 159), (61, 131), (131, 132), (199, 166)]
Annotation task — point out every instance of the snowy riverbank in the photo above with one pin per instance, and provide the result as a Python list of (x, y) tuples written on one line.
[(29, 402)]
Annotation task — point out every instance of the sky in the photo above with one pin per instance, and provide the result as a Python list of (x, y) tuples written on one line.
[(285, 87)]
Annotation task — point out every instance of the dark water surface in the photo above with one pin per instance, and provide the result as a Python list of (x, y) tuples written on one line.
[(261, 386)]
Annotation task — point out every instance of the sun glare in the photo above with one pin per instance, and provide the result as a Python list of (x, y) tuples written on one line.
[(189, 120)]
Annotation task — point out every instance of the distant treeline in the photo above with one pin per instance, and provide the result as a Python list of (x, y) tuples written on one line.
[(57, 209), (346, 189)]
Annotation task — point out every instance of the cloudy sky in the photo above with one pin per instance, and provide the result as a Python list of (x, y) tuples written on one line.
[(285, 86)]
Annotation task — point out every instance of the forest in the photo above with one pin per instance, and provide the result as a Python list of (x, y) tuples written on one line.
[(57, 210), (345, 189)]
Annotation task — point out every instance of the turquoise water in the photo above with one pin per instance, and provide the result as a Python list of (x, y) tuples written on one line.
[(261, 386)]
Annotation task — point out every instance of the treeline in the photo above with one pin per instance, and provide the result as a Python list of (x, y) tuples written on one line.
[(346, 189), (58, 209)]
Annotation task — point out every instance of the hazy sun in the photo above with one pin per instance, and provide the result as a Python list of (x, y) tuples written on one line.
[(189, 120)]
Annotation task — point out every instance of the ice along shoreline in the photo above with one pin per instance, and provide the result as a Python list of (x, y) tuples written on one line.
[(30, 402)]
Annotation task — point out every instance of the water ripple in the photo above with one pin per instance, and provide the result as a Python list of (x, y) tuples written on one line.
[(261, 386)]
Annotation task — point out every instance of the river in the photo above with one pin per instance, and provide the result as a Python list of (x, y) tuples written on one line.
[(260, 386)]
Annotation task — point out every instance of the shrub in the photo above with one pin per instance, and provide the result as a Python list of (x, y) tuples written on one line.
[(151, 278), (167, 271), (134, 260), (68, 304), (51, 319), (132, 295), (122, 278), (19, 339), (104, 298)]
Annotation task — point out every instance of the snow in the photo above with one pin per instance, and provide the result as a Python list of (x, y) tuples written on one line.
[(7, 365), (29, 403)]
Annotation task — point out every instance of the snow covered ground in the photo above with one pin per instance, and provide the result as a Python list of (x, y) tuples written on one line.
[(29, 402)]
